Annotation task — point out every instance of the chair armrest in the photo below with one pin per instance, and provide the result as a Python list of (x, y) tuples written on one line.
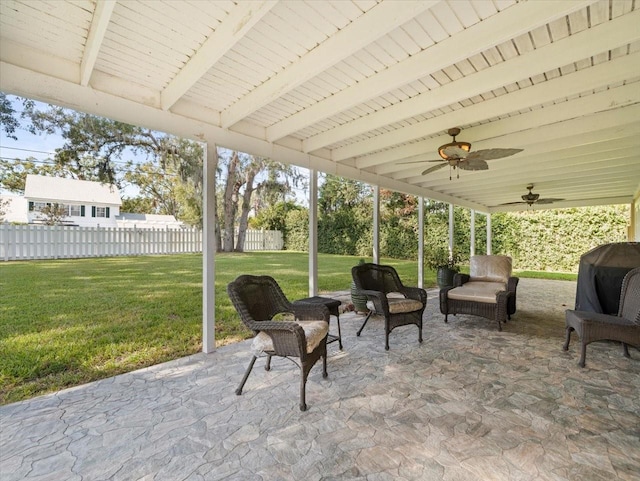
[(443, 298), (378, 298), (415, 293), (459, 279), (288, 337), (512, 284)]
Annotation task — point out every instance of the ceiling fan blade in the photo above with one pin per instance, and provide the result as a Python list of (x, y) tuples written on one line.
[(434, 168), (489, 154), (513, 203), (473, 164), (548, 201)]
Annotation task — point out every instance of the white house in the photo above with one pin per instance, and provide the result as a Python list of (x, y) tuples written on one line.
[(87, 203)]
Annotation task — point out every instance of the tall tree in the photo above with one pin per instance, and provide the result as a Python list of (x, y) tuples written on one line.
[(345, 213), (9, 118), (230, 199), (250, 182), (13, 172)]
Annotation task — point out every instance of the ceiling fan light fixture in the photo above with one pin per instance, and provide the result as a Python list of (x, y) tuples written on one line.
[(466, 146), (442, 150), (530, 198)]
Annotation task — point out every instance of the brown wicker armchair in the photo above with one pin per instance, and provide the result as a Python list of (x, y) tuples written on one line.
[(595, 326), (258, 299), (400, 305), (489, 290)]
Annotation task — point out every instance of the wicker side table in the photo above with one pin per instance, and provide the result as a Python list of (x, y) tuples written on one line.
[(332, 305)]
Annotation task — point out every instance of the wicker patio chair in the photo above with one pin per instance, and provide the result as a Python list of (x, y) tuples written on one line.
[(595, 326), (388, 297), (258, 300), (489, 290)]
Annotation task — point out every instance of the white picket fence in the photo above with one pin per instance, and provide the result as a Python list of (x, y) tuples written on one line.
[(262, 240), (23, 242)]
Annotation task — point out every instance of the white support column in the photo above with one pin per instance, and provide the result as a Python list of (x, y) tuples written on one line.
[(376, 224), (488, 234), (450, 230), (313, 232), (472, 241), (420, 241), (209, 250)]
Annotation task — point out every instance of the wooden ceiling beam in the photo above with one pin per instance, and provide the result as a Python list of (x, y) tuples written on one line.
[(486, 34), (239, 21), (375, 23), (97, 31)]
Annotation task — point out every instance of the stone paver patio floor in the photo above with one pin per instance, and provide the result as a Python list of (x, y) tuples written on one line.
[(469, 403)]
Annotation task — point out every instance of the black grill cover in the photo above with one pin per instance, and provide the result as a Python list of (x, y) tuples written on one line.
[(600, 276)]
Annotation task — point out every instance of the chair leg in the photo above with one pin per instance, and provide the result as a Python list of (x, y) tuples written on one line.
[(339, 333), (267, 366), (583, 355), (386, 336), (446, 317), (304, 372), (325, 374), (246, 375), (364, 324), (565, 347), (420, 333), (625, 349)]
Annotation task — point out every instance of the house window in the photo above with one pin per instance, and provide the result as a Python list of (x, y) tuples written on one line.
[(99, 211), (38, 206), (73, 210)]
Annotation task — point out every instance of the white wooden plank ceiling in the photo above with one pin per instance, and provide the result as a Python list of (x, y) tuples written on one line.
[(359, 87)]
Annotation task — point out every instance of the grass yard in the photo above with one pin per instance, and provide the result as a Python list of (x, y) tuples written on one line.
[(68, 322)]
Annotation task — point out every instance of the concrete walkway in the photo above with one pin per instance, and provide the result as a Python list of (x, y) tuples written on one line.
[(469, 403)]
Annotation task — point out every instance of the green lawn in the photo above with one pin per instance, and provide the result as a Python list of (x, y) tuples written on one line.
[(68, 322)]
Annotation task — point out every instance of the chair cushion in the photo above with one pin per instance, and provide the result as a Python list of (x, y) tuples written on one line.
[(477, 291), (314, 331), (398, 305), (490, 268)]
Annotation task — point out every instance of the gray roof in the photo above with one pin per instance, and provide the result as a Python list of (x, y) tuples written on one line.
[(146, 217), (42, 188)]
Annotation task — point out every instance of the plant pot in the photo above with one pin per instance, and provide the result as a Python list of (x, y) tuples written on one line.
[(359, 300), (444, 277)]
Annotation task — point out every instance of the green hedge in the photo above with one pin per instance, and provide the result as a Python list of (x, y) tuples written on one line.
[(545, 240)]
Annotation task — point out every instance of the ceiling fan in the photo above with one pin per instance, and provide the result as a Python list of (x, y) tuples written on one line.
[(532, 198), (456, 155)]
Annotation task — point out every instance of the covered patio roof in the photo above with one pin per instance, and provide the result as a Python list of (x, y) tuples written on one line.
[(357, 87)]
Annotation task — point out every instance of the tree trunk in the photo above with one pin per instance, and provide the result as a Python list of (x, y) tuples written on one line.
[(230, 203), (246, 206), (216, 218)]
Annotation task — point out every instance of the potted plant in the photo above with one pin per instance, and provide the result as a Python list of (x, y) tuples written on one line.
[(445, 264), (359, 300)]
